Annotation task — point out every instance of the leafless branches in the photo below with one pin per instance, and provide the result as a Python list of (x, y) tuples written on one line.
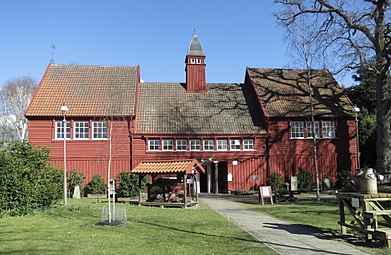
[(14, 100)]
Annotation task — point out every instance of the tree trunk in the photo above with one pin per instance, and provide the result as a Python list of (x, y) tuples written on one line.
[(383, 141)]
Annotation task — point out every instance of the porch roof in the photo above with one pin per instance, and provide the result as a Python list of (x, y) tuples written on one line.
[(168, 166)]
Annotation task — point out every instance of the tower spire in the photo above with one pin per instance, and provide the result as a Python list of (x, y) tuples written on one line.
[(195, 66)]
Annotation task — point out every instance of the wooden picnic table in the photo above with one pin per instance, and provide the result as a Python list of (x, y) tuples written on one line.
[(365, 209)]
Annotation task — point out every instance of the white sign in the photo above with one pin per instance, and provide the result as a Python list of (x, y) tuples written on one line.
[(356, 202), (265, 191), (229, 177)]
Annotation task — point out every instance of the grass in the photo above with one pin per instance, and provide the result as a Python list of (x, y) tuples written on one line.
[(74, 230), (322, 214)]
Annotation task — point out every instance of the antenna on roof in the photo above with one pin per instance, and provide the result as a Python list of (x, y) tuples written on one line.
[(53, 46)]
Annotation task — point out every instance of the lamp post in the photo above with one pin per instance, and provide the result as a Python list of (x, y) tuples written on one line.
[(356, 110), (64, 110)]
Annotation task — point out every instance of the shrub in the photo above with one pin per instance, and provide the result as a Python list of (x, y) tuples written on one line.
[(74, 178), (127, 184), (275, 180), (344, 181), (27, 181), (304, 180), (95, 186)]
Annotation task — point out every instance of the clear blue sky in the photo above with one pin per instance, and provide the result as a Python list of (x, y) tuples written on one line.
[(152, 34)]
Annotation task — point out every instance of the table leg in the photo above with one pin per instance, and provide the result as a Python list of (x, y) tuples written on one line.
[(342, 215)]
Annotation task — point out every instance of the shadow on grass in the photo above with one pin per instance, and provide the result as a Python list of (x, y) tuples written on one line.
[(267, 243), (197, 233)]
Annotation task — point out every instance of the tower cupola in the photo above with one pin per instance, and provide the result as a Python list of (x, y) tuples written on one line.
[(195, 67)]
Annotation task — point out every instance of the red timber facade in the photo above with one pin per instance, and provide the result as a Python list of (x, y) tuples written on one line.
[(240, 132)]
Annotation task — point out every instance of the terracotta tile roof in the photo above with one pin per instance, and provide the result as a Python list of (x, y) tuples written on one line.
[(86, 90), (285, 92), (165, 167), (166, 108)]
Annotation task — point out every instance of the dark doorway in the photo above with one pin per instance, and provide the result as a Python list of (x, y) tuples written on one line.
[(222, 181)]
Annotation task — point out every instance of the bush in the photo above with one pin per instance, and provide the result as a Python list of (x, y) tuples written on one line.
[(127, 184), (96, 186), (275, 180), (304, 180), (344, 181), (27, 181), (74, 178)]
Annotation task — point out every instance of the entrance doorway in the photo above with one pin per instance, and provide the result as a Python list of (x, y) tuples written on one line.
[(222, 177)]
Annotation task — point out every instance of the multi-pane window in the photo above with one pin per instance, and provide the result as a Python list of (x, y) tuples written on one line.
[(248, 144), (234, 144), (209, 145), (154, 144), (328, 129), (222, 144), (99, 130), (81, 130), (60, 130), (168, 144), (297, 129), (181, 144), (310, 133), (195, 145)]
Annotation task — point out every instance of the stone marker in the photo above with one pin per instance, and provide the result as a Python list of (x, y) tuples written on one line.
[(76, 192)]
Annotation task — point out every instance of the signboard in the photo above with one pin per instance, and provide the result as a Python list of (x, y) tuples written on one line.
[(265, 192), (229, 177), (355, 202)]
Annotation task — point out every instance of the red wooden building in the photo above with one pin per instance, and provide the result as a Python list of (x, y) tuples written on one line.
[(241, 132)]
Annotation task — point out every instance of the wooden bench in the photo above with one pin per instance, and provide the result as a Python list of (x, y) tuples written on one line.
[(371, 224), (97, 196)]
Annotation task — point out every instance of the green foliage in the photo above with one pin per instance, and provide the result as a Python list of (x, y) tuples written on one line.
[(74, 178), (367, 138), (304, 180), (344, 181), (275, 180), (127, 184), (95, 186), (27, 182), (364, 94)]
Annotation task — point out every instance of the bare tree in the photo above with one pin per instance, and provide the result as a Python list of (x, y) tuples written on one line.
[(307, 53), (14, 100), (352, 33)]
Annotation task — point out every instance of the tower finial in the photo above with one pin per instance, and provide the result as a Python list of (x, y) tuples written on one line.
[(194, 30)]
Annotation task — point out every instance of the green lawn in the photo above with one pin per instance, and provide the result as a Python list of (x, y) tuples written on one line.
[(74, 230)]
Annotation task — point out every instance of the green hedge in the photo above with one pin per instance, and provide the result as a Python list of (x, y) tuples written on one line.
[(27, 181)]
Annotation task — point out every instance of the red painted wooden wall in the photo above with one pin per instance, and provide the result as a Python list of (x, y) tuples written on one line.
[(87, 156)]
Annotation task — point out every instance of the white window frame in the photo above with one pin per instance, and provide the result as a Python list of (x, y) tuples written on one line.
[(180, 143), (195, 145), (328, 129), (309, 129), (153, 144), (60, 130), (234, 143), (209, 144), (297, 129), (81, 129), (248, 144), (99, 129), (198, 61), (222, 144), (167, 144), (192, 61)]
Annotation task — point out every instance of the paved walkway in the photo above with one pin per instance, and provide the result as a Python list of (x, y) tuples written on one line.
[(282, 236)]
